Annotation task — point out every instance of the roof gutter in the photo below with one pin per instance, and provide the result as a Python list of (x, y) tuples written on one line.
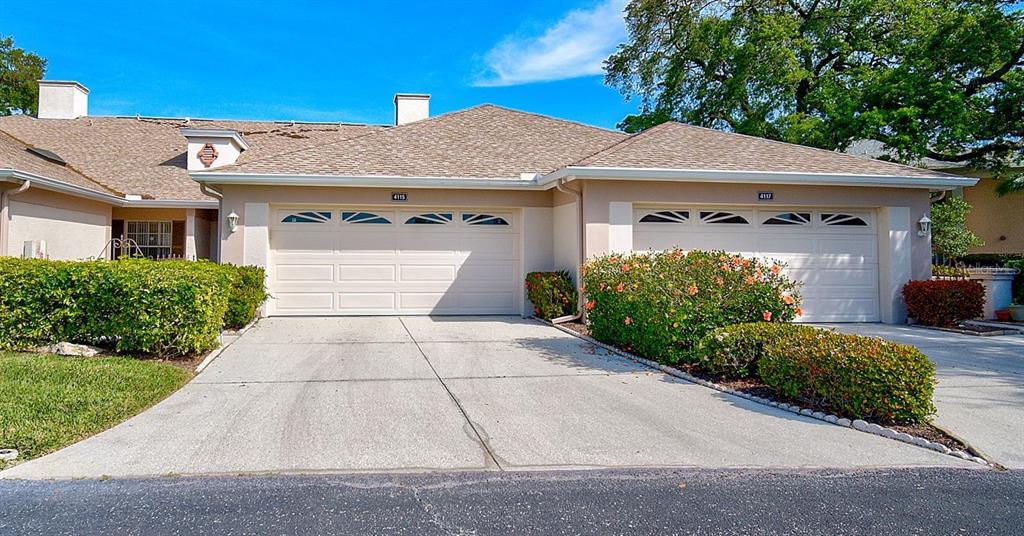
[(47, 183), (369, 181), (937, 182)]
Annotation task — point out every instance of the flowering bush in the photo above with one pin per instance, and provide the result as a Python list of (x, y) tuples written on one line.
[(734, 351), (660, 304), (861, 377), (944, 302), (551, 293)]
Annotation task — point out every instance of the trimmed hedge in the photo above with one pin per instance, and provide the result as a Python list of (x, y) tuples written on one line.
[(661, 304), (943, 302), (552, 294), (248, 292), (131, 305), (863, 377), (734, 351)]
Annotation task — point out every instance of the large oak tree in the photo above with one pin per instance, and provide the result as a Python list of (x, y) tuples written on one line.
[(929, 78)]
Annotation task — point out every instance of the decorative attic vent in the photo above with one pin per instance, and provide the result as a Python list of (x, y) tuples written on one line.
[(207, 155), (47, 155)]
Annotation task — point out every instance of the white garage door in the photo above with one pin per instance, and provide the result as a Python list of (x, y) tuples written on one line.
[(834, 253), (364, 261)]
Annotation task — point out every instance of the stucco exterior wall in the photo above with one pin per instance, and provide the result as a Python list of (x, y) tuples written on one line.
[(237, 197), (598, 194), (999, 221), (73, 228)]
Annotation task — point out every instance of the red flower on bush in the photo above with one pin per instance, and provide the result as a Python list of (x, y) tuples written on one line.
[(621, 287), (590, 305), (692, 290), (625, 267), (799, 311), (749, 280), (628, 321), (767, 315), (787, 299)]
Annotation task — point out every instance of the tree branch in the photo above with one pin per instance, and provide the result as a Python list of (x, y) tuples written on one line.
[(980, 82)]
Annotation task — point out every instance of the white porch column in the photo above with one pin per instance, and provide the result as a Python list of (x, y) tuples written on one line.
[(190, 234), (895, 267), (620, 227)]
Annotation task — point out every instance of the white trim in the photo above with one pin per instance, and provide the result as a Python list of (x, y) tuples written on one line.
[(939, 182), (367, 181), (759, 177), (47, 183), (215, 133)]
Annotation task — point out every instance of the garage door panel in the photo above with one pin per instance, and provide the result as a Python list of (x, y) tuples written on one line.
[(422, 272), (304, 302), (837, 266), (355, 273), (366, 301), (347, 267), (304, 272)]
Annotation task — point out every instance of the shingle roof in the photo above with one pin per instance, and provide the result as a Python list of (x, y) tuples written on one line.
[(485, 141), (16, 155), (679, 146), (146, 156)]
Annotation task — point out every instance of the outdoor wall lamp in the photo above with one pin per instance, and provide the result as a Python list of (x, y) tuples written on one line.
[(233, 221), (924, 226)]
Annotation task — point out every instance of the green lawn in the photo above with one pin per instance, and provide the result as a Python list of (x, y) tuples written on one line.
[(48, 402)]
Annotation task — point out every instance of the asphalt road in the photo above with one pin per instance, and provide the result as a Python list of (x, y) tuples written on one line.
[(910, 501)]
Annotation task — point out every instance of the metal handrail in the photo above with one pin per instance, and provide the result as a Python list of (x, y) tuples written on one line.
[(125, 245)]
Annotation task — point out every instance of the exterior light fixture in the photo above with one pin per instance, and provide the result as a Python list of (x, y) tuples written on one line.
[(924, 226), (233, 221)]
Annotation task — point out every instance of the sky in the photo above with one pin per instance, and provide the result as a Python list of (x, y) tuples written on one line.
[(327, 61)]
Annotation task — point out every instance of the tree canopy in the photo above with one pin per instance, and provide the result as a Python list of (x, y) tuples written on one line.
[(928, 78), (19, 71)]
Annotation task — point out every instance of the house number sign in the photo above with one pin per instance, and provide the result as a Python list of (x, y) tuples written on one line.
[(399, 196), (765, 196)]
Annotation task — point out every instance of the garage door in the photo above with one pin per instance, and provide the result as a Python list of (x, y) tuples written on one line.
[(833, 253), (363, 260)]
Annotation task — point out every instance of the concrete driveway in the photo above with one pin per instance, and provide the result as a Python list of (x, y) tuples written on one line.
[(421, 393), (980, 394)]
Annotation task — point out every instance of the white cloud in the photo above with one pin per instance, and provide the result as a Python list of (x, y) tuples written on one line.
[(575, 46)]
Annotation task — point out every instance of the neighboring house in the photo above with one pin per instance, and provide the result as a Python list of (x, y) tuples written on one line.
[(998, 220), (445, 215)]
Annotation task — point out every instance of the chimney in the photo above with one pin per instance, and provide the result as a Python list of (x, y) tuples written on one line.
[(411, 107), (62, 99)]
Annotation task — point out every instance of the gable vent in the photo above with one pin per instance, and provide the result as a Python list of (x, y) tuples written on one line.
[(47, 155)]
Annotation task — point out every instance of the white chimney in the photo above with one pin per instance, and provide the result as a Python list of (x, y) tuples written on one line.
[(62, 99), (210, 148), (411, 107)]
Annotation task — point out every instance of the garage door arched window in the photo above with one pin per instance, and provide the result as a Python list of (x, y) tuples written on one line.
[(666, 216), (430, 218), (363, 217), (719, 217), (845, 220), (483, 219), (789, 218), (308, 217)]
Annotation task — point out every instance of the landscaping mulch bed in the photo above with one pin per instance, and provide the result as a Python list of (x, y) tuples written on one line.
[(756, 387)]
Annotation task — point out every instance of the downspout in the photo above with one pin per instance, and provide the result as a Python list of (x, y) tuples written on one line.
[(5, 210), (560, 186), (220, 211)]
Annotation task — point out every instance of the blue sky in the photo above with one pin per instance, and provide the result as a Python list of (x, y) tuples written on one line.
[(327, 61)]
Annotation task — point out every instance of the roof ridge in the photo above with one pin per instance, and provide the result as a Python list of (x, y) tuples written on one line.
[(809, 147), (68, 165), (632, 138), (545, 116)]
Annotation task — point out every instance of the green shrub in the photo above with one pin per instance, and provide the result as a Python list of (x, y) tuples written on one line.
[(861, 377), (734, 351), (132, 305), (248, 292), (661, 304), (551, 293), (943, 302)]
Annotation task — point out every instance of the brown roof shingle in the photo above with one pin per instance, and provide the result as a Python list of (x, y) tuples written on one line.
[(146, 156), (16, 155), (679, 146), (485, 141)]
